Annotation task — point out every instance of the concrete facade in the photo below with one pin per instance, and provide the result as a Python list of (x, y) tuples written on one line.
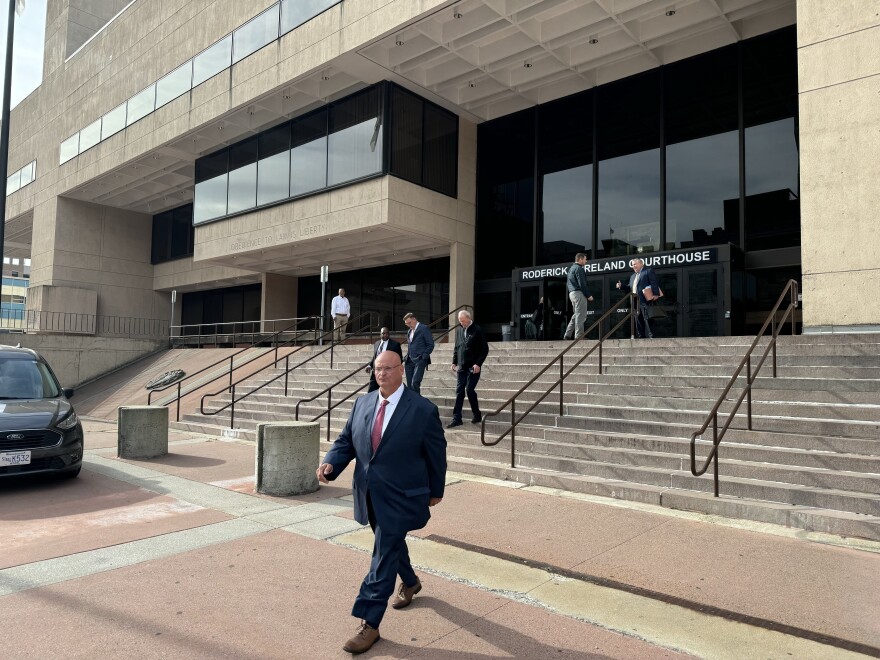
[(86, 223)]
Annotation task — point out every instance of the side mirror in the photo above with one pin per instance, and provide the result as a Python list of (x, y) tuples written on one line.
[(68, 392)]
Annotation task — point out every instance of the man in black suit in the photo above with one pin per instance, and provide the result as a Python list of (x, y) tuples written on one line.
[(642, 279), (385, 343), (470, 351), (418, 354)]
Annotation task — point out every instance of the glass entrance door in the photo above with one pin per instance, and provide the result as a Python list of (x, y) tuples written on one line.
[(530, 318), (703, 298), (665, 315)]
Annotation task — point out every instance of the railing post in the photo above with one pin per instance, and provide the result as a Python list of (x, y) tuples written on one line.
[(513, 433), (286, 372), (632, 317), (774, 353), (600, 352), (561, 385), (332, 343), (715, 444), (329, 406), (230, 372), (178, 400), (749, 389), (232, 410)]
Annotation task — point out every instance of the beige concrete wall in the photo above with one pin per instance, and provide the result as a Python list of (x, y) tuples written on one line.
[(279, 300), (77, 360), (185, 275), (839, 96)]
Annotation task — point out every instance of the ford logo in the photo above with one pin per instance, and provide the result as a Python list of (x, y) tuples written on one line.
[(15, 436)]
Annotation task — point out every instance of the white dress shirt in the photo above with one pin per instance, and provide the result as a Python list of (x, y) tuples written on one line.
[(340, 305), (389, 409)]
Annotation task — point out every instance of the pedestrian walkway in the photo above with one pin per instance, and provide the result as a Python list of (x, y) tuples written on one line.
[(178, 557)]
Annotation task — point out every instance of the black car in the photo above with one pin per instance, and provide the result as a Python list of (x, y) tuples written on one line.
[(39, 429)]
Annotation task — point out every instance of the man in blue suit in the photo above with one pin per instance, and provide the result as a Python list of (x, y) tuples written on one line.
[(418, 355), (642, 279), (397, 438)]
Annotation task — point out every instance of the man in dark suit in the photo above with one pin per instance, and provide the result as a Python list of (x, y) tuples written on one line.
[(470, 351), (579, 295), (641, 279), (397, 438), (385, 343), (418, 355)]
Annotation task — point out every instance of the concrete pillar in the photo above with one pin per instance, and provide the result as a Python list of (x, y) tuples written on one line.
[(461, 277), (142, 431), (279, 300), (839, 117), (286, 458)]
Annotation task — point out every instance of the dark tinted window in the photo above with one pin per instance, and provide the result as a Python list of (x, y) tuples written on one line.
[(308, 154), (173, 234), (243, 176), (440, 152), (355, 143), (407, 125), (273, 169)]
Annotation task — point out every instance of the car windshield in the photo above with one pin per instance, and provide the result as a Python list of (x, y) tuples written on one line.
[(26, 379)]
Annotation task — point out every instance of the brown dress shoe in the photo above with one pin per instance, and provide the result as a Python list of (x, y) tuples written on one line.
[(405, 594), (363, 639)]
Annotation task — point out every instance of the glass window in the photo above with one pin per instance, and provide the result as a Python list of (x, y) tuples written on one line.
[(242, 176), (28, 173), (212, 61), (113, 121), (505, 202), (297, 12), (174, 84), (308, 154), (90, 136), (140, 105), (211, 182), (565, 156), (69, 149), (182, 232), (772, 207), (255, 34), (629, 166), (440, 165), (407, 126), (13, 182), (702, 153), (355, 142), (273, 168), (161, 238)]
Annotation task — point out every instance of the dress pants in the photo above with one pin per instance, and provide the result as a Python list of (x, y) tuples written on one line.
[(576, 325), (466, 382), (339, 323), (643, 328), (415, 371), (390, 559)]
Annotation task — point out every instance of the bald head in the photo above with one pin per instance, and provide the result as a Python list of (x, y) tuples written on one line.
[(389, 372)]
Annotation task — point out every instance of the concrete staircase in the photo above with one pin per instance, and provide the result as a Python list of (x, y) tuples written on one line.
[(812, 460)]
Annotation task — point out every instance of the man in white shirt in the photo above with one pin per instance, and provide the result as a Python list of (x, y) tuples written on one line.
[(340, 310)]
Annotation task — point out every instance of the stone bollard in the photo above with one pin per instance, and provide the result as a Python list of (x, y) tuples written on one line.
[(287, 456), (142, 431)]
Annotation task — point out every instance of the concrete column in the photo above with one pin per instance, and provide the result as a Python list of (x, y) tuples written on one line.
[(142, 431), (286, 458), (461, 276), (279, 300), (839, 89)]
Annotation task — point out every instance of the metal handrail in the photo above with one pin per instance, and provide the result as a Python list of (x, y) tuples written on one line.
[(329, 390), (258, 328), (560, 382), (287, 368), (230, 359), (791, 288)]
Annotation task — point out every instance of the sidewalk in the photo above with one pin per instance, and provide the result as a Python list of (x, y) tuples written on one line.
[(177, 557)]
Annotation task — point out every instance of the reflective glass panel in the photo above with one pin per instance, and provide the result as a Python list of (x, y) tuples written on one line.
[(28, 173), (440, 151), (13, 182), (308, 154), (212, 61), (211, 187), (273, 169), (69, 148), (297, 12), (628, 135), (113, 121), (140, 105), (90, 136), (407, 112), (255, 34), (242, 176), (355, 144), (174, 84)]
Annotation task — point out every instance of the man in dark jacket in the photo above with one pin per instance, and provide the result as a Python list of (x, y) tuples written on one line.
[(579, 295), (642, 279), (418, 354), (470, 351), (385, 343)]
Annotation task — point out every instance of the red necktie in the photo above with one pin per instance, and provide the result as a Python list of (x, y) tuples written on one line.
[(376, 435)]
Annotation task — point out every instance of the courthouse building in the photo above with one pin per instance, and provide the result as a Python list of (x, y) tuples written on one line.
[(437, 152)]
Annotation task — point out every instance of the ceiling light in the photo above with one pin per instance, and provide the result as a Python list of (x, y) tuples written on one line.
[(325, 77), (670, 11), (594, 40), (527, 65), (399, 42), (457, 14), (472, 83)]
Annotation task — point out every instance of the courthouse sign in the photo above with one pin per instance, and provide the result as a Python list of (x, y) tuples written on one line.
[(692, 257)]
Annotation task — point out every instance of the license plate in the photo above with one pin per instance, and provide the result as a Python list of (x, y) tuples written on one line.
[(15, 458)]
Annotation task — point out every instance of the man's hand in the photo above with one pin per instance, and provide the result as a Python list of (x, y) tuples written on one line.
[(590, 298), (454, 368), (476, 369), (435, 501), (367, 370), (323, 470), (618, 284)]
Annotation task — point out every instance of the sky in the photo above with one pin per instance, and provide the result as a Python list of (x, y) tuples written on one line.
[(27, 58)]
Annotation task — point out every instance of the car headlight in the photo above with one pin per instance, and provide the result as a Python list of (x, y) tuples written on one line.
[(68, 422)]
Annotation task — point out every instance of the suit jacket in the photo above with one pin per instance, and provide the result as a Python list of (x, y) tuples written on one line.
[(470, 348), (421, 345), (392, 346), (646, 278), (577, 279), (408, 468)]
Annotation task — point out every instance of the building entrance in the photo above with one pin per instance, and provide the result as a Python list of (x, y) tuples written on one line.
[(697, 297)]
